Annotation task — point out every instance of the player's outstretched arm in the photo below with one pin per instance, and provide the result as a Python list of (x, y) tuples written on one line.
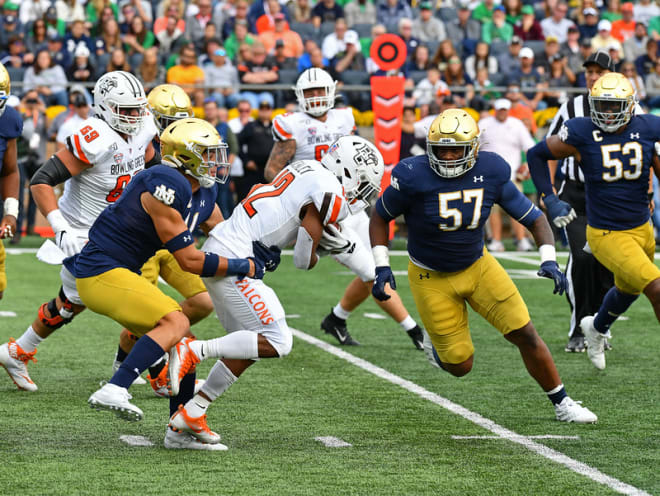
[(282, 152), (178, 240), (9, 190), (309, 235)]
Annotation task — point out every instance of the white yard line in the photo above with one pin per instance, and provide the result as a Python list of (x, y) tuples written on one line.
[(541, 436), (333, 442), (525, 441), (135, 440)]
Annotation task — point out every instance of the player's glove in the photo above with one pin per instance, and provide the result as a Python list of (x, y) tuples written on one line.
[(560, 212), (550, 269), (333, 242), (270, 256), (68, 242), (259, 269), (383, 275)]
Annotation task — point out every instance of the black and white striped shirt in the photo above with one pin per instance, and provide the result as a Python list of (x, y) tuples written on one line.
[(578, 106)]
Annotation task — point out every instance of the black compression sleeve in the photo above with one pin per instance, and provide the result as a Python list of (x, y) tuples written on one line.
[(53, 172)]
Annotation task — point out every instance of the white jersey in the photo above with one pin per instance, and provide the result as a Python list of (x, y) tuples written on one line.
[(312, 136), (113, 162), (270, 213)]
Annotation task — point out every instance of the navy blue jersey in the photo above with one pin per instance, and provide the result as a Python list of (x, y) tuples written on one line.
[(11, 127), (616, 169), (445, 217), (124, 234)]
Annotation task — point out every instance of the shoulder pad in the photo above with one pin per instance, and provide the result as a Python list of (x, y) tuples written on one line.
[(168, 186), (11, 123), (92, 141), (282, 127)]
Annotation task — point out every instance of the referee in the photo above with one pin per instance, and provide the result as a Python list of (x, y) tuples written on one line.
[(588, 280)]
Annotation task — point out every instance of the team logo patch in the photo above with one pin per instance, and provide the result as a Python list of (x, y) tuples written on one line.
[(107, 85), (118, 158), (563, 133), (311, 131), (164, 194)]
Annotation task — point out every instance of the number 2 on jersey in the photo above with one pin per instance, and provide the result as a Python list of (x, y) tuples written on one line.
[(279, 184), (116, 192)]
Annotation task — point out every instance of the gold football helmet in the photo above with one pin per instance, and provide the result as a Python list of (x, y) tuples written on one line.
[(195, 147), (452, 129), (5, 88), (611, 102), (168, 103)]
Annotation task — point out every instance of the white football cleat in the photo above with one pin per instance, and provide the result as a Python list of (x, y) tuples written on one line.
[(183, 440), (572, 411), (595, 342), (195, 426), (181, 361), (114, 399), (14, 359), (139, 381)]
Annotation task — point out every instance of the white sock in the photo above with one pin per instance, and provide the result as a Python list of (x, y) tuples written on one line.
[(219, 380), (197, 406), (29, 340), (340, 312), (239, 345), (408, 323)]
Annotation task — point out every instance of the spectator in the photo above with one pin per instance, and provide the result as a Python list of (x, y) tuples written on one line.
[(351, 58), (305, 61), (258, 70), (218, 118), (47, 78), (480, 58), (419, 60), (187, 74), (484, 11), (604, 39), (31, 10), (239, 37), (509, 138), (406, 34), (222, 12), (36, 39), (292, 43), (427, 27), (166, 7), (407, 140), (585, 53), (509, 61), (645, 64), (637, 82), (10, 27), (59, 56), (256, 142), (127, 13), (76, 37), (571, 50), (53, 23), (455, 76), (118, 61), (645, 10), (428, 87), (653, 86), (654, 28), (482, 101), (81, 70), (326, 11), (209, 48), (266, 22), (142, 8), (513, 10), (17, 56), (360, 12), (139, 38), (519, 109), (230, 23), (464, 29), (302, 10), (171, 38), (334, 43), (617, 61), (69, 11), (31, 147), (99, 11), (244, 116), (531, 82), (550, 48), (390, 12), (223, 78), (150, 73), (497, 28), (281, 60), (559, 76), (195, 24), (172, 8), (528, 28), (557, 25), (624, 28), (442, 55), (110, 36), (589, 28), (613, 11), (635, 46), (78, 103)]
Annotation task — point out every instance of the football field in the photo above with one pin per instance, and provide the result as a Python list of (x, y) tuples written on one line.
[(370, 420)]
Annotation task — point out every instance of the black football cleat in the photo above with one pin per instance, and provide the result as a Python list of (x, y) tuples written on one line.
[(576, 344), (337, 327), (417, 337)]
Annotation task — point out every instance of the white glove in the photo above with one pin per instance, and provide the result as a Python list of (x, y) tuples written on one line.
[(66, 238), (333, 242)]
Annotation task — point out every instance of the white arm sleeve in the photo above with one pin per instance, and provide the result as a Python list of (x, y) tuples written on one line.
[(303, 252)]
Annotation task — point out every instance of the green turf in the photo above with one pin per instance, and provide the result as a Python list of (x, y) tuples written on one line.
[(52, 443)]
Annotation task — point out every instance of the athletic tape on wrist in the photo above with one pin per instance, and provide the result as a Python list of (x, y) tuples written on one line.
[(548, 253), (11, 207), (381, 255)]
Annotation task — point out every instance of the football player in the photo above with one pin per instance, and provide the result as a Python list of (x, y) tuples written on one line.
[(11, 127), (307, 135), (168, 103), (99, 160), (160, 206), (615, 149), (303, 200), (446, 197)]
